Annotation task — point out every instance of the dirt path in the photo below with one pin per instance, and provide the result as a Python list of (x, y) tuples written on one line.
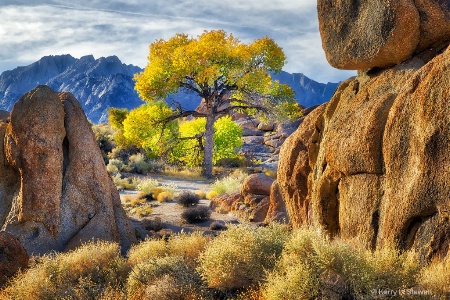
[(170, 212)]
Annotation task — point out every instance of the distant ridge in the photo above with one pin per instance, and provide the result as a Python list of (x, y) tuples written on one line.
[(107, 82)]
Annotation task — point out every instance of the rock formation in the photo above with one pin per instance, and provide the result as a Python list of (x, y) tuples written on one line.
[(13, 257), (253, 201), (374, 162), (364, 34), (55, 191)]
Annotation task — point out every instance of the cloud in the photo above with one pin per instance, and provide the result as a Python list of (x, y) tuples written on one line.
[(32, 29)]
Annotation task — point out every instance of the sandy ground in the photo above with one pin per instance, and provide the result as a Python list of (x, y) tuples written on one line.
[(170, 212)]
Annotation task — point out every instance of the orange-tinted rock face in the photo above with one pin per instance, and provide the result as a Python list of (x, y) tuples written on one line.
[(374, 163), (63, 195), (13, 257), (365, 33)]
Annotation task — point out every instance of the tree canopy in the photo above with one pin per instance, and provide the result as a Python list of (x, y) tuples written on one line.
[(228, 74)]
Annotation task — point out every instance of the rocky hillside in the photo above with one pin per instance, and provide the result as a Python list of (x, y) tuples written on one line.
[(107, 82), (374, 162), (97, 83)]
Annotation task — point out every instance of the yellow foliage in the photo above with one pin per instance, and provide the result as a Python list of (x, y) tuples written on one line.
[(164, 196), (211, 194)]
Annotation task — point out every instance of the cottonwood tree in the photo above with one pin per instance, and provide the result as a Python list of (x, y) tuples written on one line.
[(227, 73)]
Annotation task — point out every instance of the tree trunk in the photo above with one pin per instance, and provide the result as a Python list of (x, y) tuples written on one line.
[(208, 150)]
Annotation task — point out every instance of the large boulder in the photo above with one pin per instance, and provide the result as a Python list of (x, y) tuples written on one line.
[(374, 163), (277, 208), (258, 184), (365, 34), (13, 257), (56, 193)]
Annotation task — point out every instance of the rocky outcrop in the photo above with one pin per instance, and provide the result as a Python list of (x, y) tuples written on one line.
[(262, 142), (374, 163), (277, 208), (365, 34), (55, 192), (13, 257), (252, 202)]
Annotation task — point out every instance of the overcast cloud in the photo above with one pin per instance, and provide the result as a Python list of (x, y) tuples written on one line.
[(32, 29)]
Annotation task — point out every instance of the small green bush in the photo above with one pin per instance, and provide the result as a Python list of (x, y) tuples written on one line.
[(125, 183), (238, 257), (114, 165), (196, 214), (230, 184), (137, 163), (147, 185), (188, 199)]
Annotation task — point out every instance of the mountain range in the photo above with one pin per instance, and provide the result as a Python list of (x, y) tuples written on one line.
[(106, 82)]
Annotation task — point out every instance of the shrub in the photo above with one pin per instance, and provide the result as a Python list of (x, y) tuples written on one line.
[(211, 194), (188, 199), (313, 267), (201, 194), (196, 214), (147, 185), (165, 278), (114, 165), (164, 196), (186, 246), (239, 257), (126, 183), (230, 184), (85, 273), (217, 226), (138, 163), (142, 211), (434, 278), (154, 224)]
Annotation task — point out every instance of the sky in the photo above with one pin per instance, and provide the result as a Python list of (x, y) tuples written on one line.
[(31, 29)]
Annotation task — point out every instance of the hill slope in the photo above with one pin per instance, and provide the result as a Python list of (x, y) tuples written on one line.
[(107, 82)]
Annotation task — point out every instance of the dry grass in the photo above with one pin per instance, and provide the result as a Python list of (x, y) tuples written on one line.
[(241, 263), (88, 272), (311, 266), (165, 196), (435, 278), (211, 194), (187, 246), (230, 184), (239, 256), (194, 173)]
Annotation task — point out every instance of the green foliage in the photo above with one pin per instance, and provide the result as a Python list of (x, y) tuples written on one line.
[(145, 128), (211, 58), (229, 184), (104, 137), (239, 256), (227, 139), (228, 74), (116, 116), (114, 166)]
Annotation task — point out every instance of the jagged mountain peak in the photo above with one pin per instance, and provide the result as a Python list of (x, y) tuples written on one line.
[(107, 82)]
